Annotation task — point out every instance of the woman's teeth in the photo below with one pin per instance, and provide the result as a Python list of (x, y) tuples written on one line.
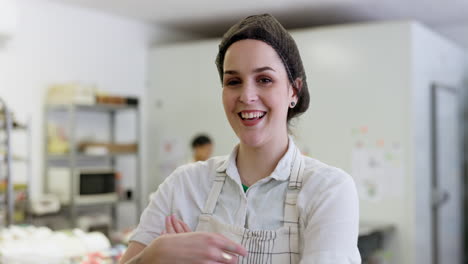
[(252, 115)]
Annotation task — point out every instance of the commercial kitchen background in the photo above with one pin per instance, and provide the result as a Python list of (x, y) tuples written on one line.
[(388, 84)]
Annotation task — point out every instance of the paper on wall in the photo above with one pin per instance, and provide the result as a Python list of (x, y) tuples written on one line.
[(378, 172), (395, 171), (367, 170)]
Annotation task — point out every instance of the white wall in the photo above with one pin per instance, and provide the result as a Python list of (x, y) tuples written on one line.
[(434, 59), (56, 43), (8, 15), (359, 77)]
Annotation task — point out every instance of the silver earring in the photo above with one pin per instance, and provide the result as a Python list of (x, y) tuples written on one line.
[(293, 104)]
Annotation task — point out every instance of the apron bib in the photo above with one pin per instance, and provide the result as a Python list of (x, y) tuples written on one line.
[(280, 246)]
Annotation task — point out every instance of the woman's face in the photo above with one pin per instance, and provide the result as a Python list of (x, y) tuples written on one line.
[(256, 92)]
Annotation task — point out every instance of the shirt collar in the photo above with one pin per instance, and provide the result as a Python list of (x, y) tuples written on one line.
[(280, 173)]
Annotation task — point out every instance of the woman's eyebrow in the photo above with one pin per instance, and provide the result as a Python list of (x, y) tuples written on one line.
[(257, 70), (261, 69), (231, 72)]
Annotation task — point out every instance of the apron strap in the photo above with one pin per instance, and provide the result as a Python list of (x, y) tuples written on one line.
[(214, 193), (291, 214), (297, 167)]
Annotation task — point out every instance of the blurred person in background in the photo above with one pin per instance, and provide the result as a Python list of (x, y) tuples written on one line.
[(202, 148)]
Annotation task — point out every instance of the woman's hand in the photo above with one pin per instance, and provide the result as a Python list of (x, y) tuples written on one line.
[(175, 226), (194, 248)]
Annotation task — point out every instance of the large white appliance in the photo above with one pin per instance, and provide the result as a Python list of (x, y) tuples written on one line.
[(370, 114)]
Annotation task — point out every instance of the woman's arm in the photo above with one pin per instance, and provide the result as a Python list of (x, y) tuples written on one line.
[(331, 222), (151, 223), (134, 248), (193, 247)]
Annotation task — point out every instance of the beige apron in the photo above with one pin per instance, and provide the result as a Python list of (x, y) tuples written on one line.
[(280, 246)]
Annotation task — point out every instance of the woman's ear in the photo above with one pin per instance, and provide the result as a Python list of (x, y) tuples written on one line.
[(298, 83), (296, 88)]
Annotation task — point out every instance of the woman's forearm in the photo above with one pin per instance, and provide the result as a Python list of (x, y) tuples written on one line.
[(134, 250), (145, 257), (135, 260)]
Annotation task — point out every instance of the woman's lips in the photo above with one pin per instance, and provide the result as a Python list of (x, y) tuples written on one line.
[(251, 117)]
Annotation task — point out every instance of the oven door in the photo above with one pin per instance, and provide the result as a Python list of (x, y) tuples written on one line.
[(96, 186)]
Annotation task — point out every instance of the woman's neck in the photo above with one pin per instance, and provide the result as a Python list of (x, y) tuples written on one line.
[(256, 163)]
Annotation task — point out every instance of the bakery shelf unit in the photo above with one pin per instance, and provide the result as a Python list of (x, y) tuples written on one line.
[(14, 194), (86, 173)]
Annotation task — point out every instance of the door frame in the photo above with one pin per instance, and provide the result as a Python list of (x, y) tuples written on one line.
[(435, 87)]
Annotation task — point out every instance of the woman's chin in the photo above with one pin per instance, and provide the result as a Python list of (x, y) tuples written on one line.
[(253, 140)]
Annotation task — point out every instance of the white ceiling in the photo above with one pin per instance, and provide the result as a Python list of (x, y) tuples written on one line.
[(212, 17)]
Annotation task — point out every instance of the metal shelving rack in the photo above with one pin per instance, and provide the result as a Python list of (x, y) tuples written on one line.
[(8, 126), (73, 157)]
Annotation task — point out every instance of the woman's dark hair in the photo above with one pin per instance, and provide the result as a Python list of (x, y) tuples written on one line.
[(267, 29)]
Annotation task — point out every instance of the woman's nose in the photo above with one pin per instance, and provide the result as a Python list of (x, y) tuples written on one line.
[(248, 94)]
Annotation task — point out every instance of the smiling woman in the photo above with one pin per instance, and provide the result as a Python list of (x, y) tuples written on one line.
[(265, 202)]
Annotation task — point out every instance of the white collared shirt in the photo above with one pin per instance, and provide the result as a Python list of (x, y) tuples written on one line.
[(328, 205)]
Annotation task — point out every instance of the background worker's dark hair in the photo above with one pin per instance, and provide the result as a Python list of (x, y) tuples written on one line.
[(200, 140)]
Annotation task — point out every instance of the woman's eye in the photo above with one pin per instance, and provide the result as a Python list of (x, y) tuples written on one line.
[(265, 80), (232, 82)]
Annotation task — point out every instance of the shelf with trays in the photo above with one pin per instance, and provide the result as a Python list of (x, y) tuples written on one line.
[(20, 191), (75, 158), (14, 196), (65, 157), (13, 158), (94, 107)]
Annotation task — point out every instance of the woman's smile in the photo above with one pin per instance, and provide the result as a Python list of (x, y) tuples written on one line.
[(251, 117)]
